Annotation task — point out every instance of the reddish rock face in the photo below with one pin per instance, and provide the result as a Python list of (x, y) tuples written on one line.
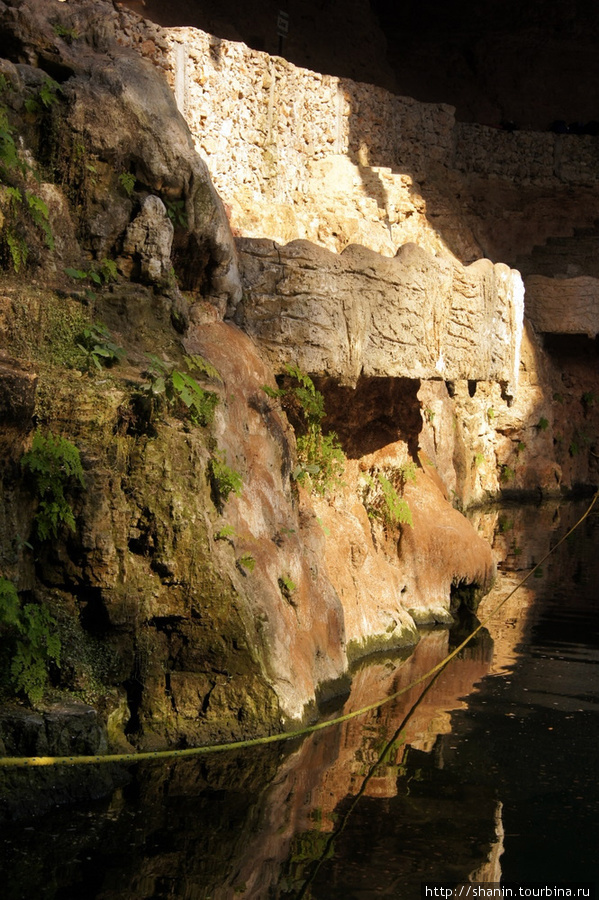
[(359, 584), (302, 628)]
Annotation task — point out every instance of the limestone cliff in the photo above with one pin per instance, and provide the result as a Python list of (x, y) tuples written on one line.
[(298, 156), (202, 585)]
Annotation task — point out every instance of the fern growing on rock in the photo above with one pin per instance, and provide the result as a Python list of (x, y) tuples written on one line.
[(54, 466), (173, 388), (321, 460), (30, 643), (223, 479), (23, 213)]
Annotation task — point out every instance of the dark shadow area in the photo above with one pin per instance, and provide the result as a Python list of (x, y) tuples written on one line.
[(502, 63), (571, 346), (377, 412), (94, 615)]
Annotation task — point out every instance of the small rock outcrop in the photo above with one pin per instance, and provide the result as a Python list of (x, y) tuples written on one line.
[(150, 237)]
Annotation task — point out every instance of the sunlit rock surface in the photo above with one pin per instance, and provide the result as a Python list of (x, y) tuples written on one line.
[(121, 112), (359, 313)]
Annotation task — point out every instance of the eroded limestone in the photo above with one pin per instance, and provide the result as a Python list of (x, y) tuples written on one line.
[(414, 316)]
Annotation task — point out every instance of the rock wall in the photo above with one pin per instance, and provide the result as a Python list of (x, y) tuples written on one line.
[(299, 155), (526, 157), (191, 608), (191, 613), (564, 306), (501, 62)]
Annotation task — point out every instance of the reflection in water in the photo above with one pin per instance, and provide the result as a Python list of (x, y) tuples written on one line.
[(491, 769)]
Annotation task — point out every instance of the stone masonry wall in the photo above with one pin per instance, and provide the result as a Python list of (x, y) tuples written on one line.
[(259, 117), (526, 157), (295, 154), (247, 110)]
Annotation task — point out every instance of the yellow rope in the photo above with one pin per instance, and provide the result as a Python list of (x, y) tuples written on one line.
[(32, 761)]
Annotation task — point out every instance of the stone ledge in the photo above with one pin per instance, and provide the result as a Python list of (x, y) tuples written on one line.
[(359, 313)]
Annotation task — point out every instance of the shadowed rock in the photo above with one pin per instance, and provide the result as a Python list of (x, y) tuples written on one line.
[(122, 112)]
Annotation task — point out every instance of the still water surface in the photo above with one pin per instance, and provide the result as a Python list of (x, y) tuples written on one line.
[(491, 775)]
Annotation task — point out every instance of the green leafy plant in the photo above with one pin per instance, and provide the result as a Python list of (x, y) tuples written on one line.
[(479, 459), (54, 465), (100, 350), (542, 424), (17, 250), (247, 561), (67, 34), (407, 472), (429, 415), (175, 210), (176, 388), (490, 414), (10, 607), (20, 208), (200, 365), (588, 400), (224, 480), (580, 440), (10, 160), (395, 509), (506, 474), (108, 270), (321, 460), (127, 182), (33, 644), (45, 98), (24, 206), (287, 586), (103, 273), (224, 533), (39, 214), (383, 500), (78, 274)]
